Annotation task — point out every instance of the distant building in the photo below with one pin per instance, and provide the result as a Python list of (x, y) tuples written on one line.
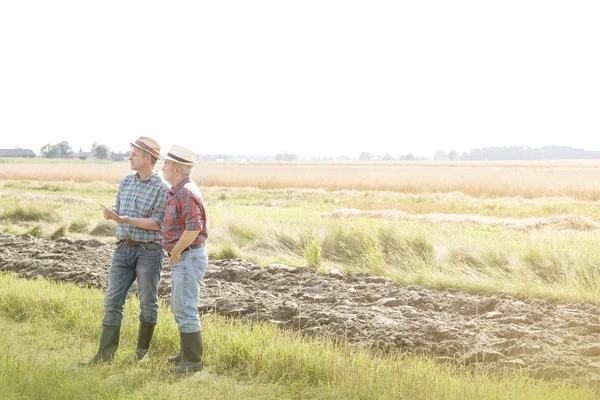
[(119, 156), (26, 153), (83, 155), (286, 157)]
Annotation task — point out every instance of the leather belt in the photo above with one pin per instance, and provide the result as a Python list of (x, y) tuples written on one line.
[(192, 247), (131, 243)]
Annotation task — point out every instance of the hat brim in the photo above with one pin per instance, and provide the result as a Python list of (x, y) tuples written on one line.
[(187, 163), (145, 151)]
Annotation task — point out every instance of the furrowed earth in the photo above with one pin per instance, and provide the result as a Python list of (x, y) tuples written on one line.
[(548, 339)]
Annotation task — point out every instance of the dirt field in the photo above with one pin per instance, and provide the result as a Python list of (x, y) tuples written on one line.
[(550, 340)]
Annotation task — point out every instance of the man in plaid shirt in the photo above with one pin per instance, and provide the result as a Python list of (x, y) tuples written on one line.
[(139, 213), (185, 229)]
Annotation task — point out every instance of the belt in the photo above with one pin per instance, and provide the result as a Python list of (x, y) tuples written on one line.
[(192, 247), (131, 243)]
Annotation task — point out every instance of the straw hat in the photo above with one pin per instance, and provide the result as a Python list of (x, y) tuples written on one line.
[(148, 145), (181, 155)]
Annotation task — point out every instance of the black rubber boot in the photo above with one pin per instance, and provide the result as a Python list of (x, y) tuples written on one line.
[(145, 333), (191, 349), (175, 359), (109, 342)]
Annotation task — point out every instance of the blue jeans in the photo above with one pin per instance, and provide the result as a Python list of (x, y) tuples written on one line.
[(186, 276), (143, 262)]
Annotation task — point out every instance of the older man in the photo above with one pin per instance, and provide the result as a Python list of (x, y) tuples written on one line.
[(185, 232), (139, 213)]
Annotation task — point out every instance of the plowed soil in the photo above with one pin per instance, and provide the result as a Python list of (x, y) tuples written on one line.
[(548, 339)]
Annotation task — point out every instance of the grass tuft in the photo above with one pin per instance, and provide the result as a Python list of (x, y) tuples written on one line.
[(20, 213), (312, 251), (242, 233), (36, 231), (225, 251), (104, 228), (545, 266), (290, 243), (60, 232), (343, 245), (79, 226)]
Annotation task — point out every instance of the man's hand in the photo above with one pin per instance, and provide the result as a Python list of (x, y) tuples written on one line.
[(186, 239), (108, 214), (175, 257)]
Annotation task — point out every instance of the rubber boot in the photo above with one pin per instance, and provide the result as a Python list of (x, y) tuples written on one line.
[(175, 359), (191, 349), (109, 342), (145, 332)]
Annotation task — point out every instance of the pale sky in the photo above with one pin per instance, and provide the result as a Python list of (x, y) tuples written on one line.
[(307, 77)]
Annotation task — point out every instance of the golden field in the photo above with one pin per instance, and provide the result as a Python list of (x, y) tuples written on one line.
[(576, 179)]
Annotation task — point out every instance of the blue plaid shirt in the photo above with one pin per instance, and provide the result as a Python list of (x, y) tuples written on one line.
[(141, 199)]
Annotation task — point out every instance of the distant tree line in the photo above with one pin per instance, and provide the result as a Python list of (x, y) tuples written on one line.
[(286, 157), (57, 150), (518, 153), (63, 150), (365, 155), (494, 154)]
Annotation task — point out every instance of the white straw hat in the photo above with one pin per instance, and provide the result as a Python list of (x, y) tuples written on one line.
[(181, 155)]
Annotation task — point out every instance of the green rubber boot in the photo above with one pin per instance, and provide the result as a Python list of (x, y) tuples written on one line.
[(145, 332), (191, 349), (109, 342)]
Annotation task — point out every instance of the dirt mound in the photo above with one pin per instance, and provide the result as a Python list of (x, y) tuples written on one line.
[(561, 222), (550, 340)]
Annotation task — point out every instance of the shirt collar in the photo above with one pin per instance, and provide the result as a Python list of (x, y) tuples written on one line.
[(183, 182), (137, 177)]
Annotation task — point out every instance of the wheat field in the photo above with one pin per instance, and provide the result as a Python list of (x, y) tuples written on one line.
[(576, 179)]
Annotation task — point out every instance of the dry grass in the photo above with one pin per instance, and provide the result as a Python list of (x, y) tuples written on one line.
[(578, 180), (570, 222)]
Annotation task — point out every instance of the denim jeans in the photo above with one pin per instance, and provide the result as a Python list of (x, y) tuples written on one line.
[(186, 276), (143, 263)]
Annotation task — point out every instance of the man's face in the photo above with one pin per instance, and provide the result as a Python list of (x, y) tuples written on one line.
[(136, 158), (169, 170)]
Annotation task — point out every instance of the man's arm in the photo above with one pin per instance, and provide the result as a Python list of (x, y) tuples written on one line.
[(148, 224), (187, 238)]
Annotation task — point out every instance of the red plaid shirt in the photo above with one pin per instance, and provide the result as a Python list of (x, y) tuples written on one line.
[(184, 211)]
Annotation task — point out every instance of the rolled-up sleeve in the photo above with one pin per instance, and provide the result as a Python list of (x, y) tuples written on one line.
[(158, 209), (191, 212)]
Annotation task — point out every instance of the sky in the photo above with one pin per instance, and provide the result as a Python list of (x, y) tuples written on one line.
[(307, 77)]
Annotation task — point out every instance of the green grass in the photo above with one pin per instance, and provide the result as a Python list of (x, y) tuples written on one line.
[(36, 231), (104, 228), (49, 327), (60, 232), (79, 226), (18, 212), (225, 251), (312, 251)]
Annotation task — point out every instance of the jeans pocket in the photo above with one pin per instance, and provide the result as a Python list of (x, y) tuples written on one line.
[(152, 247)]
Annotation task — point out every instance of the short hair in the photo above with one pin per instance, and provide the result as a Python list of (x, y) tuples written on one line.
[(186, 170), (152, 158)]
